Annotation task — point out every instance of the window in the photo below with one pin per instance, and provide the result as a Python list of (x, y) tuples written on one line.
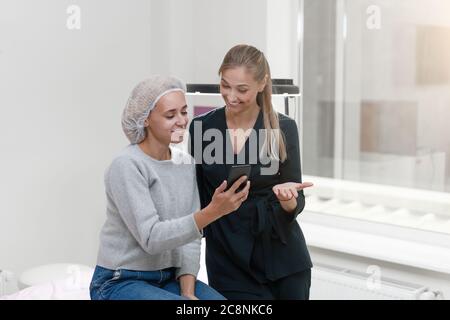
[(376, 107)]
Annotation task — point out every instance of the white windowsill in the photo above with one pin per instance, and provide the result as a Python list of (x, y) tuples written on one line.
[(384, 242), (377, 194)]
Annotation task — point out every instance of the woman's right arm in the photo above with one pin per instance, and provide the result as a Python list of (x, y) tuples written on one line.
[(129, 192)]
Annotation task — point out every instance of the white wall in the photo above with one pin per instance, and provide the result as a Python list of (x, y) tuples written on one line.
[(61, 97), (282, 48), (191, 37)]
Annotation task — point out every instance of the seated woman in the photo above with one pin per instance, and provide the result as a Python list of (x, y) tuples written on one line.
[(150, 242)]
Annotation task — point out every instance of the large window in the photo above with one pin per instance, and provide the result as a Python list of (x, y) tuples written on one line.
[(376, 108)]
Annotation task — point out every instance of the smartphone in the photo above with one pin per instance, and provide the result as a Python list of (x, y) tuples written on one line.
[(236, 172)]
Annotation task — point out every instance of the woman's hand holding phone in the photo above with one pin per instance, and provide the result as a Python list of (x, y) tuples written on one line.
[(224, 202)]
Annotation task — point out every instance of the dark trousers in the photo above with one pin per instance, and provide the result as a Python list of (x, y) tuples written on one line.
[(293, 287)]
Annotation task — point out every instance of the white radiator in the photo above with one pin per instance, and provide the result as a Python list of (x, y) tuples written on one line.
[(330, 283)]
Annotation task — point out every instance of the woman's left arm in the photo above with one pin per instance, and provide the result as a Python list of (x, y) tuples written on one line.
[(190, 254), (289, 191)]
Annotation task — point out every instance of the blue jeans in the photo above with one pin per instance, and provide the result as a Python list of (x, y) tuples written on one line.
[(125, 284)]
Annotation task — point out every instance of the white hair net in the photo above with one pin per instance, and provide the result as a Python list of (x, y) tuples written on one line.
[(142, 100)]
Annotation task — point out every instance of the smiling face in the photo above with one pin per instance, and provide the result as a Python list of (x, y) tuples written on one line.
[(168, 120), (239, 88)]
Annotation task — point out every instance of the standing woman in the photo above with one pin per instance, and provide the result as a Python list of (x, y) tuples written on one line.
[(150, 242), (259, 251)]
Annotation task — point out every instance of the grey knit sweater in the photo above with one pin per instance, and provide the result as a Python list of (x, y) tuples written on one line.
[(149, 216)]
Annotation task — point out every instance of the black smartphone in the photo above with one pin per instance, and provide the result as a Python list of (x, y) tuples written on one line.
[(236, 172)]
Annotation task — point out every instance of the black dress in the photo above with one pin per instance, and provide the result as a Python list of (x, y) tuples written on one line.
[(260, 243)]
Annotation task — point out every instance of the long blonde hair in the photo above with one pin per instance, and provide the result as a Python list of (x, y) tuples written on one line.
[(255, 61)]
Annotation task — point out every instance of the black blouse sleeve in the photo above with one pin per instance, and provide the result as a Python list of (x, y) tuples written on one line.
[(290, 169)]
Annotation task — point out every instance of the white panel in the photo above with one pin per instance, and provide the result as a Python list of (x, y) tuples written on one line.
[(62, 94), (330, 283)]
